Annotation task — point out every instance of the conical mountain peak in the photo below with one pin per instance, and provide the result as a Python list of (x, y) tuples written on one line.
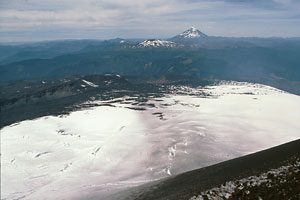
[(192, 33)]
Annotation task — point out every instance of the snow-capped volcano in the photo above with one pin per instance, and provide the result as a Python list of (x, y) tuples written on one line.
[(190, 34), (156, 44)]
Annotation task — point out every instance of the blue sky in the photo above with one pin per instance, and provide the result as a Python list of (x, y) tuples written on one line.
[(35, 20)]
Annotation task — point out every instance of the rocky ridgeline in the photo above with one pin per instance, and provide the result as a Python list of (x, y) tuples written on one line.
[(280, 183)]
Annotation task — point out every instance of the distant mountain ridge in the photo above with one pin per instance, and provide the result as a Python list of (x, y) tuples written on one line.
[(176, 41), (274, 61)]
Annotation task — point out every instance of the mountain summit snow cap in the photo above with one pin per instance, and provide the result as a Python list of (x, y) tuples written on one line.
[(156, 43), (192, 33)]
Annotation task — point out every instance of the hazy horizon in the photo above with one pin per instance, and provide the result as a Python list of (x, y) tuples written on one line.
[(16, 42), (47, 20)]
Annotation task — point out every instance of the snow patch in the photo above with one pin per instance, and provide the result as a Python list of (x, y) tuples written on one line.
[(90, 84), (156, 44)]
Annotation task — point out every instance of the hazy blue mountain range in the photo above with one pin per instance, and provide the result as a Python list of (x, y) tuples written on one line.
[(268, 60)]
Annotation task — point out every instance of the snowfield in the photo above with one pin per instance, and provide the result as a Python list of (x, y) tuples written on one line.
[(100, 150), (156, 44)]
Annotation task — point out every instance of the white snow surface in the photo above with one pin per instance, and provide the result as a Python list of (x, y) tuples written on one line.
[(90, 83), (157, 43), (103, 149)]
